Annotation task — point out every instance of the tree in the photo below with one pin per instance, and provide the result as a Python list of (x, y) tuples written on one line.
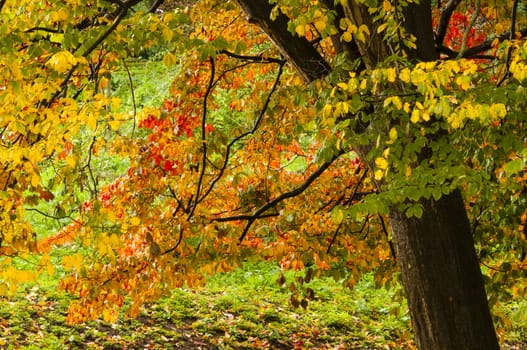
[(403, 118)]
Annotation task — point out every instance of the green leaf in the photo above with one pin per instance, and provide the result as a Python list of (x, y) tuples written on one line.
[(514, 166), (337, 215)]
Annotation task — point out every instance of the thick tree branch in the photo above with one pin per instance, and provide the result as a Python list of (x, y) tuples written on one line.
[(444, 19), (487, 45), (306, 60), (259, 213)]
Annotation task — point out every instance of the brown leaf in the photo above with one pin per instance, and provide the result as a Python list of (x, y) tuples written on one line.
[(46, 195), (309, 275), (281, 279), (294, 301)]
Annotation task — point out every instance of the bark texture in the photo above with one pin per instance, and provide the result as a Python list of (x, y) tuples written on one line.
[(439, 266), (442, 277), (306, 60)]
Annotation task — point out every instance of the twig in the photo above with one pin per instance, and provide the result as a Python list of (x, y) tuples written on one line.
[(442, 25), (475, 16), (132, 91), (204, 135), (509, 50), (272, 203), (385, 230), (257, 58), (243, 135), (155, 5), (487, 45), (88, 166)]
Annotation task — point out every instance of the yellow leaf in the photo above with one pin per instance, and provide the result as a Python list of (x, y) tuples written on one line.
[(116, 102), (71, 160), (115, 124), (321, 24), (425, 116), (391, 74), (393, 134), (381, 28), (300, 29), (62, 61), (414, 118), (110, 315), (327, 110), (72, 262), (381, 163), (35, 180), (346, 36), (170, 59), (361, 37), (135, 221), (386, 6), (363, 84), (405, 75)]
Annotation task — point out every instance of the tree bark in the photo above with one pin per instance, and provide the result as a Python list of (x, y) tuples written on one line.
[(306, 60), (442, 277), (439, 266)]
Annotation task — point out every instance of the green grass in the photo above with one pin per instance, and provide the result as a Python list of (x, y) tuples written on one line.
[(242, 309), (150, 80)]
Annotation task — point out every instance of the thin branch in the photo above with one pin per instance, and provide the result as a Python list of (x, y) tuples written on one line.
[(366, 220), (88, 166), (52, 216), (43, 29), (204, 135), (257, 58), (64, 84), (356, 189), (385, 231), (442, 25), (132, 91), (245, 217), (334, 237), (247, 133), (487, 45), (180, 239), (258, 213), (475, 15), (451, 54), (155, 6), (109, 31), (509, 50)]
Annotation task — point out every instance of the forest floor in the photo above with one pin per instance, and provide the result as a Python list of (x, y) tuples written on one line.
[(244, 309)]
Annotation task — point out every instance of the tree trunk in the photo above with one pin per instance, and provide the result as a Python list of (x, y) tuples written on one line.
[(439, 266), (442, 278)]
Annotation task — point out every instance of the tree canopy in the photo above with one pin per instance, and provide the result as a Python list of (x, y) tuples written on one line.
[(258, 153)]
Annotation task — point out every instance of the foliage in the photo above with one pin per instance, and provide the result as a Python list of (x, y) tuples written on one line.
[(242, 161)]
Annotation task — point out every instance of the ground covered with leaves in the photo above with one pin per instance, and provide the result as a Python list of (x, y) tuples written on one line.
[(245, 309)]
